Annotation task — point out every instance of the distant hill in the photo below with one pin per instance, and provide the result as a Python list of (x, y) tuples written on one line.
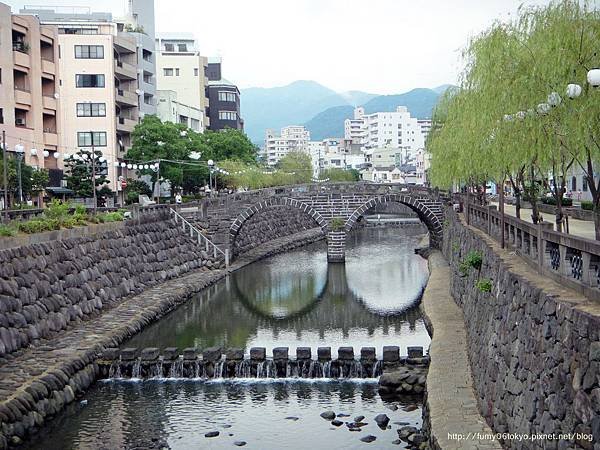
[(321, 109), (294, 104), (330, 123)]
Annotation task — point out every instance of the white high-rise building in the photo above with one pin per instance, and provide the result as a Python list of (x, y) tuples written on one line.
[(292, 138), (354, 129)]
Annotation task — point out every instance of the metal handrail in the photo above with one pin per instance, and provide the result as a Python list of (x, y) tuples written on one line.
[(201, 237)]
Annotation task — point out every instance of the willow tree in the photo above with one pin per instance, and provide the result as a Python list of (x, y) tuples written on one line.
[(501, 123)]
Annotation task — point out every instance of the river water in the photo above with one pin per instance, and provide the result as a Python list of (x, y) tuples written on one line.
[(293, 299)]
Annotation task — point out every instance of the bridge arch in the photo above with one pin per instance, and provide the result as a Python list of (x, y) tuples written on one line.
[(247, 213), (427, 210)]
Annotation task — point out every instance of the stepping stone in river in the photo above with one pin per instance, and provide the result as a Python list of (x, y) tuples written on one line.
[(239, 443), (337, 423), (382, 420), (367, 439), (211, 434), (359, 418), (328, 415), (291, 418)]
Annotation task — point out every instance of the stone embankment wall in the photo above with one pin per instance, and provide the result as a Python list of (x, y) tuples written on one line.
[(47, 286), (533, 345), (269, 224)]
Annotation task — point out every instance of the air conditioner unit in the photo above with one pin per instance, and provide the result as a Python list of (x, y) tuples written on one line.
[(20, 122)]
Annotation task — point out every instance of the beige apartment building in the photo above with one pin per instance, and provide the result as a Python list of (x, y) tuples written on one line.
[(29, 78), (180, 68), (99, 83)]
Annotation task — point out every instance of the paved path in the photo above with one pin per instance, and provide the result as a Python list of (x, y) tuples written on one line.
[(583, 228), (65, 355), (451, 398)]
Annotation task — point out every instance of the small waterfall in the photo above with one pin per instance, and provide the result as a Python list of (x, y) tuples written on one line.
[(115, 369), (259, 369), (377, 369), (197, 373), (242, 369), (156, 370), (220, 369), (326, 369), (356, 369), (176, 370), (136, 371)]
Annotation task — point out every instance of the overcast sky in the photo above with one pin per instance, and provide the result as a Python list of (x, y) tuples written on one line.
[(378, 46)]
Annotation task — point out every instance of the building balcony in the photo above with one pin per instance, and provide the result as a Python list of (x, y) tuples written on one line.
[(49, 102), (48, 67), (125, 125), (22, 95), (50, 137), (125, 71), (21, 58), (126, 98), (125, 43)]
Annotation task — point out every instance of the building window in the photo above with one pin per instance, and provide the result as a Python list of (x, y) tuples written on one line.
[(91, 109), (168, 72), (1, 115), (574, 183), (84, 139), (584, 184), (227, 115), (195, 71), (89, 81), (225, 96), (169, 48), (182, 47), (89, 52), (176, 72)]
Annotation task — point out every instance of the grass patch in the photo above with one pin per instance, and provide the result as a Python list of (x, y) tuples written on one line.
[(484, 285)]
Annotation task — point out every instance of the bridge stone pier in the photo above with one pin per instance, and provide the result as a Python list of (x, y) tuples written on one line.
[(334, 207)]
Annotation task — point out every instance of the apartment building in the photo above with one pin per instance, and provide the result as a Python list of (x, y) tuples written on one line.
[(224, 99), (102, 66), (354, 129), (181, 69), (170, 109), (29, 77), (292, 138)]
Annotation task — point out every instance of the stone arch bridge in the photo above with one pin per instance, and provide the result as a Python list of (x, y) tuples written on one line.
[(334, 207)]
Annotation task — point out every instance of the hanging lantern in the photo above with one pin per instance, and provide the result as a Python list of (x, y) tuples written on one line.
[(117, 163), (146, 166), (573, 90), (33, 152), (135, 166), (543, 108), (554, 99), (130, 166), (508, 117), (56, 155), (46, 153), (123, 165), (593, 77), (102, 159), (19, 148)]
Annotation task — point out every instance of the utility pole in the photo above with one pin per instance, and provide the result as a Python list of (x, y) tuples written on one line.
[(5, 176), (158, 182), (94, 174)]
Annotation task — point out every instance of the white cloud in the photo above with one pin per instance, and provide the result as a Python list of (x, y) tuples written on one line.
[(380, 46)]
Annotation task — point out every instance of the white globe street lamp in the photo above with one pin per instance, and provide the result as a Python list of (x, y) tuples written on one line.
[(593, 77), (573, 90)]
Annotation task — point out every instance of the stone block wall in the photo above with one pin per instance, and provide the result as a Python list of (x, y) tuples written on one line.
[(535, 358), (269, 224), (47, 286)]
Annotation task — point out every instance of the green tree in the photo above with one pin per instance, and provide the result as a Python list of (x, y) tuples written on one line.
[(340, 174), (227, 144), (79, 170), (134, 189), (298, 166)]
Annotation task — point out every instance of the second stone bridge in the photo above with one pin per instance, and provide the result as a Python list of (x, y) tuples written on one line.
[(333, 207)]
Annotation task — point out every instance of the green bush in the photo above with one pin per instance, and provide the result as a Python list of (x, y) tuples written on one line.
[(7, 230), (587, 205), (336, 224), (484, 285), (472, 260), (39, 225), (116, 216), (552, 201), (57, 210)]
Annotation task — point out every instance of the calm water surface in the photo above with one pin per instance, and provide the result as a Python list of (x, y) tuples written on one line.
[(293, 299)]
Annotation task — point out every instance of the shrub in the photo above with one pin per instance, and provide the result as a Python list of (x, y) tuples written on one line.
[(336, 224), (474, 259), (116, 216), (587, 205), (57, 210), (552, 201), (484, 285), (7, 230)]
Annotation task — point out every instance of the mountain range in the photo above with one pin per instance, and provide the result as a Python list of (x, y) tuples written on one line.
[(320, 109)]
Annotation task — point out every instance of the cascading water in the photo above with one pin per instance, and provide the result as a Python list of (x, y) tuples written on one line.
[(377, 369), (115, 369), (176, 370), (136, 371)]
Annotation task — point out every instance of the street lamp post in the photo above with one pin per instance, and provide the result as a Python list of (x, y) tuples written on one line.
[(20, 150), (5, 176), (210, 163)]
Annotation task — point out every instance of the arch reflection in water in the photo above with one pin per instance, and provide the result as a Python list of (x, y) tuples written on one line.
[(297, 299)]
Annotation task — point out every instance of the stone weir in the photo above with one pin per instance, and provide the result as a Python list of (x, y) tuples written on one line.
[(213, 363)]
